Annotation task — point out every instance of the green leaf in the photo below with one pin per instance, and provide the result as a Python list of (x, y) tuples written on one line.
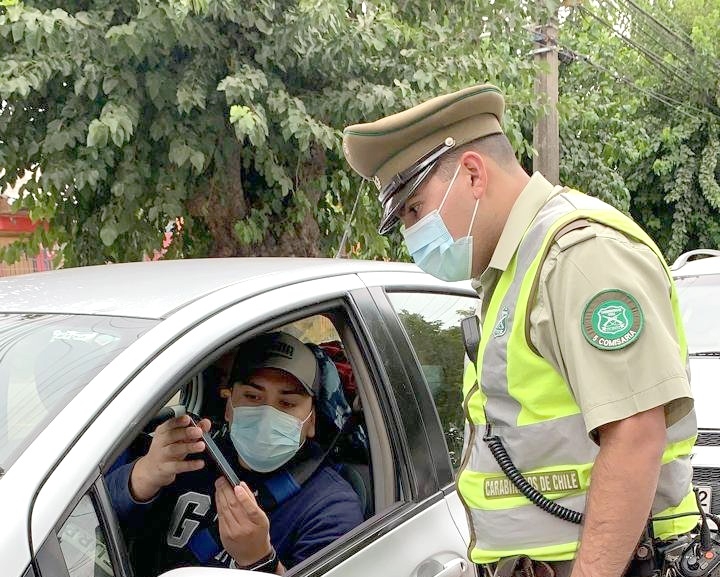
[(240, 108), (97, 134), (109, 83), (152, 83), (179, 152), (238, 113), (197, 159), (17, 31), (108, 234)]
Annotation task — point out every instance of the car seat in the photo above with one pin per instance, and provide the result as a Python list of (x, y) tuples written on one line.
[(341, 414)]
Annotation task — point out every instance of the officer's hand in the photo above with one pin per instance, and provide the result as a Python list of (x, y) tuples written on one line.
[(172, 442), (244, 526)]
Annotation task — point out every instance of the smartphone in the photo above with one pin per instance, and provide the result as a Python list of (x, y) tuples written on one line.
[(216, 455)]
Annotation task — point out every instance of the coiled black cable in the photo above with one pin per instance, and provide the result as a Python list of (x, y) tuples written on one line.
[(508, 467)]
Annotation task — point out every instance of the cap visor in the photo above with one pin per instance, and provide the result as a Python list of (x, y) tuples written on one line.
[(393, 206)]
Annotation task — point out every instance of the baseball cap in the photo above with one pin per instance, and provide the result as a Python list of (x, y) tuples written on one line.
[(279, 350)]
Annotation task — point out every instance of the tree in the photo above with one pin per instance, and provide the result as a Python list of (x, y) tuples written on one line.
[(132, 114), (641, 112), (678, 192)]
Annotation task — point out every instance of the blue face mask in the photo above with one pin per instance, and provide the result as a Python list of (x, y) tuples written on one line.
[(433, 248), (264, 437)]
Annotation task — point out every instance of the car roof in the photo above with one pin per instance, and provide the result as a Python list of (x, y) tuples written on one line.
[(708, 262), (156, 289)]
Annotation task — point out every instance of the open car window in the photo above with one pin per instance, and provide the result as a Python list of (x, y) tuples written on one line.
[(340, 433), (315, 329)]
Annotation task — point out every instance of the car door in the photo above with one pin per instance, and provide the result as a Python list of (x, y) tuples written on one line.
[(419, 537), (104, 429), (414, 533), (424, 314)]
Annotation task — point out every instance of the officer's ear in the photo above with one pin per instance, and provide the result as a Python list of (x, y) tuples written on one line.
[(476, 167)]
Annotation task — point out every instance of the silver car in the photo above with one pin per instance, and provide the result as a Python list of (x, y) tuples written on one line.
[(698, 283), (89, 356)]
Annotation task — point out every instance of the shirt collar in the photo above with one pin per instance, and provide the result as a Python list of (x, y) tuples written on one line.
[(532, 198)]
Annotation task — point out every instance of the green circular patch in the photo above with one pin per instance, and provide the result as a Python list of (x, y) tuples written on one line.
[(612, 320)]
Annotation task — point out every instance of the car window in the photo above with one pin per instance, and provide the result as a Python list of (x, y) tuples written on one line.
[(432, 323), (315, 329), (45, 360), (83, 543), (700, 306), (340, 447)]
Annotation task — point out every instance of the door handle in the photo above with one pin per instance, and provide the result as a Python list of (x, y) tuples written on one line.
[(454, 568), (433, 568)]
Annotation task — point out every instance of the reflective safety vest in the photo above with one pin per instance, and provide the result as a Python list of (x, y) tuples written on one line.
[(532, 409)]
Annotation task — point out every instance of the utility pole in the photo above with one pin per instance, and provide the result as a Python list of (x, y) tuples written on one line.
[(546, 136)]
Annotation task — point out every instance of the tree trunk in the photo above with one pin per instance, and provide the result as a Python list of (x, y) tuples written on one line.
[(225, 204)]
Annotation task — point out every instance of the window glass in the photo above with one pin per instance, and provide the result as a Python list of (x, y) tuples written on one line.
[(175, 400), (432, 323), (83, 543), (700, 305), (315, 329), (45, 360)]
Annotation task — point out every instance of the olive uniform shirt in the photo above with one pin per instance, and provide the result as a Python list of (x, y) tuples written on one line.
[(608, 385)]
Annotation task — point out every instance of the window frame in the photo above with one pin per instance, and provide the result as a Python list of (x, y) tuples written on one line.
[(438, 444), (377, 335)]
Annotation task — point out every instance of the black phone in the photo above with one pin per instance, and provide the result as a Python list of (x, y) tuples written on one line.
[(215, 453)]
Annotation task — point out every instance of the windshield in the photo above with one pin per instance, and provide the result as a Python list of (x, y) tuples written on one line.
[(700, 304), (45, 360)]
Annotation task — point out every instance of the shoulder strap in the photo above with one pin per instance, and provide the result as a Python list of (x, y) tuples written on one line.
[(288, 481), (569, 227)]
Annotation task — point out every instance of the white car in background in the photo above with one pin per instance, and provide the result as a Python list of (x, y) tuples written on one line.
[(697, 276)]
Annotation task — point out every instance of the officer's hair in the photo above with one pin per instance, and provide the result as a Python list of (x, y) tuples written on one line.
[(495, 146)]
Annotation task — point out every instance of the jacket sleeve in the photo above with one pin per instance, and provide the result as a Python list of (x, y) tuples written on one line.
[(129, 511)]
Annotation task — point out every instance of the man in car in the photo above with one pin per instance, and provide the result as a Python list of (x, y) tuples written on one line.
[(195, 517), (578, 381)]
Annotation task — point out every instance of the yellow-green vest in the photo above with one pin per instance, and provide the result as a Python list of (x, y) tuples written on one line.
[(532, 409)]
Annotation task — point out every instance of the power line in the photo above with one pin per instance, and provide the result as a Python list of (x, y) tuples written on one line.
[(640, 25), (341, 248), (658, 25), (666, 100), (666, 69), (687, 43), (649, 55)]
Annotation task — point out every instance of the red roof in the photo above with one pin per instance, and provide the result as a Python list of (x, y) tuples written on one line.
[(16, 224)]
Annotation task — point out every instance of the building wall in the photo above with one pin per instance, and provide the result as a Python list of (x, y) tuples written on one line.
[(12, 227)]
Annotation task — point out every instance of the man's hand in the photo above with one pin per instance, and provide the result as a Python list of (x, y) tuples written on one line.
[(244, 526), (172, 442), (624, 481)]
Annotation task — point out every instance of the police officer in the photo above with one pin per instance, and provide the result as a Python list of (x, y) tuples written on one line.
[(581, 367)]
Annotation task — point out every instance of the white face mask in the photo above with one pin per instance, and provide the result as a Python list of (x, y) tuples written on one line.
[(264, 437), (433, 248)]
